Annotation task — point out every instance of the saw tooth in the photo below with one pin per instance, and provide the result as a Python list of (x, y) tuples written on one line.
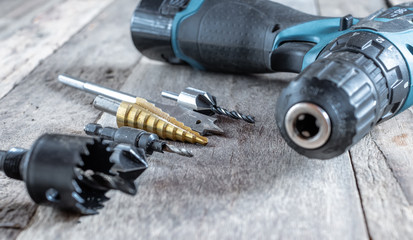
[(103, 198), (85, 149), (78, 189), (78, 198), (78, 174), (98, 206), (85, 210)]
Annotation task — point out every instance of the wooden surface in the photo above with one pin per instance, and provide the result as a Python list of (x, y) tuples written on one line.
[(247, 184)]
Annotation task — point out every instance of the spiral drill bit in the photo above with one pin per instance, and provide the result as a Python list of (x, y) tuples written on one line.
[(204, 102), (139, 138), (74, 173), (137, 112)]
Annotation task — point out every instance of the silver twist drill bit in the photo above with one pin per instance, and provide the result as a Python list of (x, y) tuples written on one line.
[(149, 142), (180, 151), (204, 102), (232, 114)]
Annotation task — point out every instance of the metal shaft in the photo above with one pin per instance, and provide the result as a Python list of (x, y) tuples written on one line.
[(107, 105), (203, 102), (232, 114), (149, 142), (180, 151), (96, 89), (170, 95)]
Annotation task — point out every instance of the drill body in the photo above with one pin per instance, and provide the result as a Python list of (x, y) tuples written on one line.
[(353, 73)]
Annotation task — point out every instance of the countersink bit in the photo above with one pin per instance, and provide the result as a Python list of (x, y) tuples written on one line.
[(139, 113), (139, 138), (203, 102), (74, 173)]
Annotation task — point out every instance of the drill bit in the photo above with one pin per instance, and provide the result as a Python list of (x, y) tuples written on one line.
[(74, 173), (204, 102), (139, 113), (179, 151), (149, 142)]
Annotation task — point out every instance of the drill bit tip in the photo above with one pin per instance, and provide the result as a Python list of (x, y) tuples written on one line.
[(233, 114), (181, 151), (201, 140)]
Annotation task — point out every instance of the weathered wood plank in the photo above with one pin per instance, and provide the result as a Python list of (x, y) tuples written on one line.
[(356, 8), (247, 184), (383, 165), (388, 212), (232, 180), (394, 2), (395, 141), (384, 170), (18, 14), (25, 49), (40, 104)]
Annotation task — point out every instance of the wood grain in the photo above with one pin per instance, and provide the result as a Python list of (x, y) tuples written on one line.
[(18, 14), (384, 169), (245, 184), (356, 8), (395, 2), (383, 163), (46, 32), (40, 104), (388, 212)]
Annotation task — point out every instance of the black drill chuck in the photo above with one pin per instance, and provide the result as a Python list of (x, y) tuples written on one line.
[(336, 101)]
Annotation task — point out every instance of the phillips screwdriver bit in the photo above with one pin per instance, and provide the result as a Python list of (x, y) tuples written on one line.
[(204, 102), (139, 113), (147, 141), (74, 173)]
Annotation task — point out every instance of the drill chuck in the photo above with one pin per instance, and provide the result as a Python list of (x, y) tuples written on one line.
[(354, 72), (336, 101), (308, 125)]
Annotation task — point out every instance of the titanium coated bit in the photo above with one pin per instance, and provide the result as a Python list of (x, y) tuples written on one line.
[(203, 102), (147, 141), (139, 113), (74, 173)]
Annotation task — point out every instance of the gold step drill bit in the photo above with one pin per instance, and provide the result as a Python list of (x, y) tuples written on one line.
[(138, 113)]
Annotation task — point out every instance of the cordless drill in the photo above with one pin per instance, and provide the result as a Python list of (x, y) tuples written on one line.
[(353, 73)]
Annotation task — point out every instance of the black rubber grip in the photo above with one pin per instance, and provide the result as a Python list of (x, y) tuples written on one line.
[(236, 36)]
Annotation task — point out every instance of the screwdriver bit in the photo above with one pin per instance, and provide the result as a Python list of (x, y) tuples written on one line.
[(139, 113), (147, 141), (203, 102), (74, 173)]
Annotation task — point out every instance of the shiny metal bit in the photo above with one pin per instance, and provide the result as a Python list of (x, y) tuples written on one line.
[(201, 123), (180, 151), (105, 182), (96, 89), (204, 102), (198, 122)]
